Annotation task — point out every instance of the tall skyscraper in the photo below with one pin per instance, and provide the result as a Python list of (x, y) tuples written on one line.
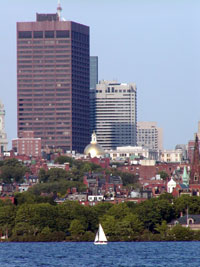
[(149, 135), (53, 81), (3, 135), (93, 82), (116, 114), (93, 72)]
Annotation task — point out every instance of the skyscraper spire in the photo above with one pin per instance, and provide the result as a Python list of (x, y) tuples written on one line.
[(59, 9)]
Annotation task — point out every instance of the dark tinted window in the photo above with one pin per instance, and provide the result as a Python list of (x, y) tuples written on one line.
[(62, 34), (49, 34), (38, 34), (25, 35), (47, 17)]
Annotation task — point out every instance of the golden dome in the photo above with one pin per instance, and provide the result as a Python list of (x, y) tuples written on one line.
[(93, 149)]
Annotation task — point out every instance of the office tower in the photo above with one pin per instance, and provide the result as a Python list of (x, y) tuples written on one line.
[(93, 72), (149, 135), (53, 81), (93, 82), (3, 135), (116, 114)]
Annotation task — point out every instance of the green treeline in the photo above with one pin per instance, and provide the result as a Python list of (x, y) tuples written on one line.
[(37, 218)]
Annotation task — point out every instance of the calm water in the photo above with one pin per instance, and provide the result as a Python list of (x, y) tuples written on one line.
[(113, 254)]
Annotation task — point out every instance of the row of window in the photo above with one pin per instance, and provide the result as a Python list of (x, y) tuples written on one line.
[(43, 34), (44, 56), (43, 61), (43, 71), (44, 80), (43, 42), (66, 115), (44, 51), (42, 66), (115, 91), (42, 86), (41, 95), (43, 99), (20, 47), (46, 120), (44, 75)]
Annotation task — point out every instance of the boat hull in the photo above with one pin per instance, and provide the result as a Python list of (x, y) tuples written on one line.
[(100, 243)]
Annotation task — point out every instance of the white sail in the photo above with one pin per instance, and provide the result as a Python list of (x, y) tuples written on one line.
[(97, 237), (100, 237)]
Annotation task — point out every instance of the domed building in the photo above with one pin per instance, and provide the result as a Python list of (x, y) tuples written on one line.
[(94, 149)]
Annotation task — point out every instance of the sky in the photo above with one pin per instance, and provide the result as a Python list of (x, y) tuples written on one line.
[(154, 43)]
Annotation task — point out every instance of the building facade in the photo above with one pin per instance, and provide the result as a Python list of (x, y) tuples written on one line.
[(53, 81), (27, 144), (175, 155), (3, 135), (133, 152), (149, 135), (116, 114), (93, 83)]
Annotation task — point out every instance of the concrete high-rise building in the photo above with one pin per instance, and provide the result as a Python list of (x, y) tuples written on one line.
[(3, 135), (53, 81), (93, 82), (116, 114), (149, 135), (93, 72)]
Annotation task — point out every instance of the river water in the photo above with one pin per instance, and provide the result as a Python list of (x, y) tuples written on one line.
[(113, 254)]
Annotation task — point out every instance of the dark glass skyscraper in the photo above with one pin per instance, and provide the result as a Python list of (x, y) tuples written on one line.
[(53, 81), (93, 82)]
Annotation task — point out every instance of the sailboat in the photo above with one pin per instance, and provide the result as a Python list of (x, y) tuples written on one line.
[(100, 238)]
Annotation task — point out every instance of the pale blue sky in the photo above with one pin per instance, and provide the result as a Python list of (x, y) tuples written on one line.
[(153, 43)]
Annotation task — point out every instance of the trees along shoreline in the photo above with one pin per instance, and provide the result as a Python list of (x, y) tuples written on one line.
[(37, 219)]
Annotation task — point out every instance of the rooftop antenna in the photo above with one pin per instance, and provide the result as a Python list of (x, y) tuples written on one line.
[(59, 9)]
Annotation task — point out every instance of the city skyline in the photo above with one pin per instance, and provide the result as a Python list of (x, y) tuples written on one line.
[(155, 45)]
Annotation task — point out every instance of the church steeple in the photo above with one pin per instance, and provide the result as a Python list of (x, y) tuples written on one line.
[(185, 177), (196, 151), (195, 166)]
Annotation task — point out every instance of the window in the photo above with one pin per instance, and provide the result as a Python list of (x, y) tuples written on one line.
[(37, 34), (25, 34), (49, 34), (190, 221), (62, 34)]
